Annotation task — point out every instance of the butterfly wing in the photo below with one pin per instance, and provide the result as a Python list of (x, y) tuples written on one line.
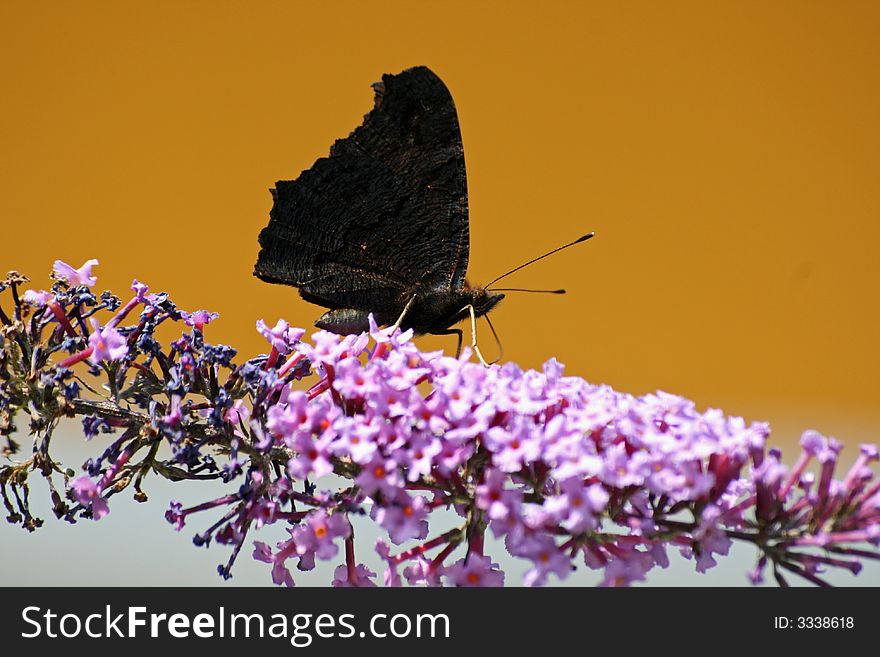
[(385, 214)]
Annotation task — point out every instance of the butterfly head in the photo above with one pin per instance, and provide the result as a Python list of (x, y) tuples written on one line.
[(484, 300)]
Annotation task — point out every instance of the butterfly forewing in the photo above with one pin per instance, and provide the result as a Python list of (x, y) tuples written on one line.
[(385, 215)]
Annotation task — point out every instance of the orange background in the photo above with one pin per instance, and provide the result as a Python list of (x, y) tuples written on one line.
[(726, 154)]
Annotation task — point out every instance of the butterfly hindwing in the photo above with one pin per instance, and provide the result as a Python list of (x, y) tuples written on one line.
[(344, 287)]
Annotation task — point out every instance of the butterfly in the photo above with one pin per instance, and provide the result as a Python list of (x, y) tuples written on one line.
[(381, 225)]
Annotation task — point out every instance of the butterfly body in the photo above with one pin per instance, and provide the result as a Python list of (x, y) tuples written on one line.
[(431, 312), (381, 225)]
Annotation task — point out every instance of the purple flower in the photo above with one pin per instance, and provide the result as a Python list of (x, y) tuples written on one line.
[(264, 512), (329, 348), (658, 554), (453, 456), (363, 577), (280, 573), (37, 298), (493, 497), (418, 456), (515, 446), (709, 539), (199, 318), (236, 413), (423, 571), (546, 558), (312, 457), (475, 570), (404, 517), (93, 424), (388, 336), (176, 515), (391, 578), (317, 534), (770, 473), (356, 440), (756, 576), (578, 506), (378, 335), (75, 277), (628, 567), (352, 381), (813, 442), (107, 343), (622, 469), (290, 413), (262, 552), (380, 475), (140, 290), (558, 468), (88, 494), (174, 415), (281, 337)]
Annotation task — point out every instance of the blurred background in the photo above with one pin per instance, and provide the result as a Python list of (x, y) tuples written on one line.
[(725, 154)]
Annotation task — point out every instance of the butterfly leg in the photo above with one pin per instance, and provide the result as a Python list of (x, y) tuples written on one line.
[(476, 349), (456, 332), (403, 314)]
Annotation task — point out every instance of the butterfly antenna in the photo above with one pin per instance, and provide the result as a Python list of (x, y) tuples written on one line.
[(519, 289), (583, 238), (497, 341)]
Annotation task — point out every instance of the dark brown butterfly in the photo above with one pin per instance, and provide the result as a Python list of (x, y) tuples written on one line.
[(381, 225)]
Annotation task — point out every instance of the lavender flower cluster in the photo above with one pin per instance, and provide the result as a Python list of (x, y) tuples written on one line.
[(565, 472)]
